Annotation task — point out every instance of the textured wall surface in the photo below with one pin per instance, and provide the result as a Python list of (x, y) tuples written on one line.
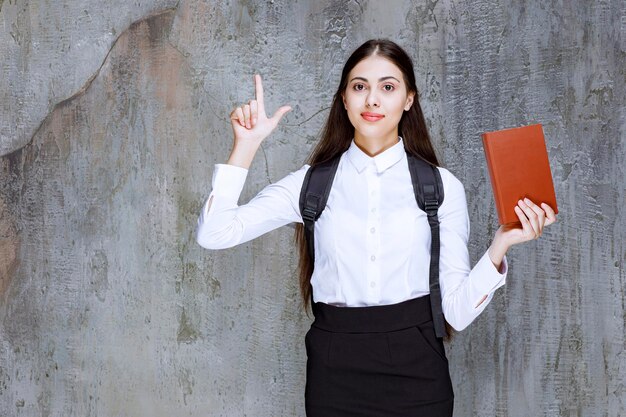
[(112, 117), (49, 49)]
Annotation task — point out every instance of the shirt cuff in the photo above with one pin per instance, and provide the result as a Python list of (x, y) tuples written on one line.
[(227, 183), (487, 278)]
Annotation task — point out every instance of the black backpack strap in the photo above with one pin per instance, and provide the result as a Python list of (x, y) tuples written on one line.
[(428, 190), (315, 190)]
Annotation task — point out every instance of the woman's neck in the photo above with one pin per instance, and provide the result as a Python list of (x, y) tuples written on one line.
[(373, 146)]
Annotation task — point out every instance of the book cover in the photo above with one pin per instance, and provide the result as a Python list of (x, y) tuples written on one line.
[(518, 165)]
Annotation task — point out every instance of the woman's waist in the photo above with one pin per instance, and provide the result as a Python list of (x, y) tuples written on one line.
[(372, 318)]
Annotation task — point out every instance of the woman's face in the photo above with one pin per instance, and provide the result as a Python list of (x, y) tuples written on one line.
[(375, 98)]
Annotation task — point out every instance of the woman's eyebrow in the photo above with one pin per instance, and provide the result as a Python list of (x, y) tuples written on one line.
[(379, 80)]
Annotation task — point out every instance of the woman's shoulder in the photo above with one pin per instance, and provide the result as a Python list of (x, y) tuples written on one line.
[(299, 173), (454, 199), (453, 189), (449, 180)]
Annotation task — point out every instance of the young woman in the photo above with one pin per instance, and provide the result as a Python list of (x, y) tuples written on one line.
[(371, 349)]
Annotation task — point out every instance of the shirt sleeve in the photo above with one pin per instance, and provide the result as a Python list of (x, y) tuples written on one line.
[(462, 288), (223, 223)]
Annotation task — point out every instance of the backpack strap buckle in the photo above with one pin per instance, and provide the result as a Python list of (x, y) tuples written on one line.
[(430, 207), (308, 214)]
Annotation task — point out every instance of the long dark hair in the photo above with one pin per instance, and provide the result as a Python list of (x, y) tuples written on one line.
[(338, 132)]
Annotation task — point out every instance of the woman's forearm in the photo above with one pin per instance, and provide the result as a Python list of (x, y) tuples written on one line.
[(242, 154), (497, 250)]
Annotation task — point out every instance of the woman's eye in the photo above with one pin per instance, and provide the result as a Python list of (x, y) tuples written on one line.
[(388, 87), (359, 87)]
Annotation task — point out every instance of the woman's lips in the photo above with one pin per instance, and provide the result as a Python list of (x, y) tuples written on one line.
[(372, 117)]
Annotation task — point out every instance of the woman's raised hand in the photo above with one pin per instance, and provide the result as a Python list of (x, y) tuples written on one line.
[(250, 123)]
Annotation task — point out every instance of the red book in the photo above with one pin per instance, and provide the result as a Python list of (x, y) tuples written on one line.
[(518, 165)]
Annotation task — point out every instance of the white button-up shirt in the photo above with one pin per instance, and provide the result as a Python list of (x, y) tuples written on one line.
[(372, 241)]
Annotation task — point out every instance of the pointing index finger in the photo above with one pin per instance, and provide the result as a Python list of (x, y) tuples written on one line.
[(259, 92)]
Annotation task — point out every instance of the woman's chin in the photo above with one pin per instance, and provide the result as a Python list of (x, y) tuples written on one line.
[(373, 132)]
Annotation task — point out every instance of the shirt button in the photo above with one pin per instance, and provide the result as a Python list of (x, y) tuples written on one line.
[(372, 284), (373, 210), (373, 258), (373, 230)]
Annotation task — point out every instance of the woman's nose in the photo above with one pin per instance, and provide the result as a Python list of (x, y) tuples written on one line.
[(372, 100)]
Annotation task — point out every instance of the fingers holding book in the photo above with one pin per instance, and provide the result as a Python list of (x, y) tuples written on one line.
[(550, 213), (533, 219)]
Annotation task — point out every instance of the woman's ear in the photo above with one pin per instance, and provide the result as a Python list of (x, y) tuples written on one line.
[(343, 98), (409, 101)]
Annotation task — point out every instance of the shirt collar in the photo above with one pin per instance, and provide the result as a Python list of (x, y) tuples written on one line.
[(383, 160)]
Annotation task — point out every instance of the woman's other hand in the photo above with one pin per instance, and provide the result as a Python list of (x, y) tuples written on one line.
[(532, 218), (251, 125)]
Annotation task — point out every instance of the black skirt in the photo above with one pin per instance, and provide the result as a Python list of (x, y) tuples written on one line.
[(378, 361)]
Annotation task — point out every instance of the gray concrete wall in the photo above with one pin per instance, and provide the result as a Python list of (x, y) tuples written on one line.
[(112, 116)]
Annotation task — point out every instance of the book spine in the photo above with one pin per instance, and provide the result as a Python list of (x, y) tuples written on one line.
[(494, 179)]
